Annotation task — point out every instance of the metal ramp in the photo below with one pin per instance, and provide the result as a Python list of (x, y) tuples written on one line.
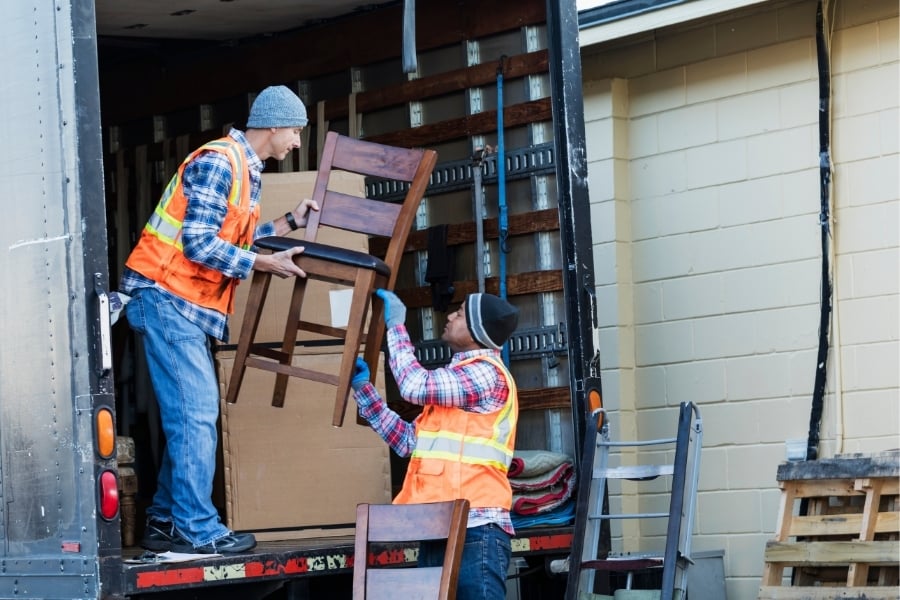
[(666, 477)]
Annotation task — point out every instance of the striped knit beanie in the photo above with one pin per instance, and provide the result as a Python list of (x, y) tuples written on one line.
[(491, 320)]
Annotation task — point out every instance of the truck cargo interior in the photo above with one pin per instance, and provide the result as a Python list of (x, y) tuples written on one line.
[(175, 74)]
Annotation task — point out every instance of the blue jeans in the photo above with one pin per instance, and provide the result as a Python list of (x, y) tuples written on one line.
[(184, 380), (485, 562)]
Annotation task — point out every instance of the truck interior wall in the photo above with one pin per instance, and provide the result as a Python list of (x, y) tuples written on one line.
[(149, 129), (141, 86)]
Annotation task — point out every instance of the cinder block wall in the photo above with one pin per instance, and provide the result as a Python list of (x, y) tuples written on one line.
[(703, 150)]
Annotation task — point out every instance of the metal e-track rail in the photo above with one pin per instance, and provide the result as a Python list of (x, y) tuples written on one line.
[(524, 343), (457, 175)]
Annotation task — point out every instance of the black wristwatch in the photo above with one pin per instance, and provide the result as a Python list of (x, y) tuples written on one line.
[(289, 217)]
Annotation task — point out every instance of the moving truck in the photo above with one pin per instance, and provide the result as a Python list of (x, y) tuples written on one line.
[(101, 100)]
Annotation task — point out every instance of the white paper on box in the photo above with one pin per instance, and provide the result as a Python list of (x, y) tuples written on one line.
[(340, 301)]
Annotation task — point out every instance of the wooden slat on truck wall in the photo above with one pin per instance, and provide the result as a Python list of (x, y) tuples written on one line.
[(553, 398), (514, 67), (517, 284), (464, 233), (451, 129)]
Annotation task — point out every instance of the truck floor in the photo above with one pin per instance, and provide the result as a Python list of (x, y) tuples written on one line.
[(280, 560)]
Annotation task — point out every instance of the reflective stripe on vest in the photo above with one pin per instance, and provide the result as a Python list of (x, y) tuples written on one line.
[(495, 452), (470, 450), (166, 227)]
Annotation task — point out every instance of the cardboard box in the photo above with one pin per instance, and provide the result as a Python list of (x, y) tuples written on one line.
[(288, 468), (324, 302)]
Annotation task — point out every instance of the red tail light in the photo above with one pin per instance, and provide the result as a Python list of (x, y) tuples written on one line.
[(109, 495)]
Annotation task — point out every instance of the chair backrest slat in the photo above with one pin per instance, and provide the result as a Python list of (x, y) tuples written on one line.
[(406, 583), (387, 523), (359, 214), (376, 160)]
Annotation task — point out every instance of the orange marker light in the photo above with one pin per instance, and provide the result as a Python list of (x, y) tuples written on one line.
[(106, 433), (595, 402)]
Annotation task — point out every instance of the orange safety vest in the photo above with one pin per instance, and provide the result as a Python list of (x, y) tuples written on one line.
[(462, 454), (159, 254)]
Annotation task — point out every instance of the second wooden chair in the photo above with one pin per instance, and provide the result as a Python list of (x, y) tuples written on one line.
[(380, 524)]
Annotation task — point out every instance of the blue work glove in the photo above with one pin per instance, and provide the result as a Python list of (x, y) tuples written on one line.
[(360, 374), (394, 309)]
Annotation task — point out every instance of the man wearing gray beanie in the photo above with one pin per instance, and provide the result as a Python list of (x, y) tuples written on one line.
[(462, 443), (181, 277)]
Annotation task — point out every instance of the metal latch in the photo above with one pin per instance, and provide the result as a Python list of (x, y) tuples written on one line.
[(109, 308), (105, 328)]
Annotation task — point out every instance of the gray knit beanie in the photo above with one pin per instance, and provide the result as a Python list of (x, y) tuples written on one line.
[(491, 320), (277, 106)]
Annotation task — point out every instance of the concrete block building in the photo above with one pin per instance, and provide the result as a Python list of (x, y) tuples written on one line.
[(708, 124)]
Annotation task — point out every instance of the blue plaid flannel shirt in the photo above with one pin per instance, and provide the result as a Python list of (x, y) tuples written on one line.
[(207, 181)]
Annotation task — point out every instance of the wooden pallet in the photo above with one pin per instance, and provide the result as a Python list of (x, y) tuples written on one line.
[(847, 542)]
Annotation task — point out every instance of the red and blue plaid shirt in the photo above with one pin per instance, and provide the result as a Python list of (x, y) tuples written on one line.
[(476, 386)]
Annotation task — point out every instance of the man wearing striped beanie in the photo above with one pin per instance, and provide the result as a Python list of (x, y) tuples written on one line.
[(462, 443)]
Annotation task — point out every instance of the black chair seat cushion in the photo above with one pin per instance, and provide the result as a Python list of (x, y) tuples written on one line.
[(325, 252)]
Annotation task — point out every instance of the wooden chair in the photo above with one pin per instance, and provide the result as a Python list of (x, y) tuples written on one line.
[(410, 168), (381, 524)]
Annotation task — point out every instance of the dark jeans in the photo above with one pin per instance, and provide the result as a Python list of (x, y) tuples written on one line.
[(485, 562)]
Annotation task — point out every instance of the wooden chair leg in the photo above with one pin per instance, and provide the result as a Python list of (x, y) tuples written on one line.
[(375, 335), (359, 305), (372, 349), (289, 340), (259, 287)]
